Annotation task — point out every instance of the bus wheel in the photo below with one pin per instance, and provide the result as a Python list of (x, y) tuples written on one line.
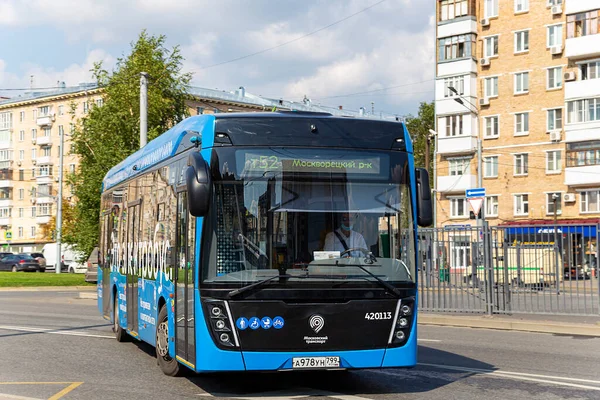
[(168, 365), (120, 333)]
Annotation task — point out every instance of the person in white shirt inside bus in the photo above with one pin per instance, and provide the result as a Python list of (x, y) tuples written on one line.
[(344, 238)]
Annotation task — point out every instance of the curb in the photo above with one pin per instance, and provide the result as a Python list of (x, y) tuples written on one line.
[(88, 295), (47, 288), (567, 328)]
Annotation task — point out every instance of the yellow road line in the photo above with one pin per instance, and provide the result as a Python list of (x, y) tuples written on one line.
[(66, 390)]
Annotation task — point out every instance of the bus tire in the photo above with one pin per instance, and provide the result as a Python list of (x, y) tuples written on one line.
[(168, 365), (120, 333)]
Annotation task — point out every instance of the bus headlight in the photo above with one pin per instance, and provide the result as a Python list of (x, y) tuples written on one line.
[(403, 324), (220, 323)]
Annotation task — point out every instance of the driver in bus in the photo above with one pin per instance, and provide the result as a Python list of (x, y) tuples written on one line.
[(344, 238)]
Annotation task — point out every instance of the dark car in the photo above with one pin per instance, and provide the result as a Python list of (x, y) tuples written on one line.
[(575, 273), (39, 257), (19, 262), (91, 275)]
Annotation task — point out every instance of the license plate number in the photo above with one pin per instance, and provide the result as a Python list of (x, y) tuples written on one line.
[(315, 362)]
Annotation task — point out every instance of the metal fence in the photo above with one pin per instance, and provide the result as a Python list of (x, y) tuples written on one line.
[(510, 269)]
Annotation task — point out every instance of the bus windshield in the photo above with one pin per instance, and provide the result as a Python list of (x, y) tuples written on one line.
[(312, 216)]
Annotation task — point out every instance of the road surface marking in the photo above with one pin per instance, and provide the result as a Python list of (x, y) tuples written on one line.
[(4, 396), (549, 379), (66, 390), (52, 331), (287, 394)]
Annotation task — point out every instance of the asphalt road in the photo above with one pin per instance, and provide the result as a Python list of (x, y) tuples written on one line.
[(54, 345)]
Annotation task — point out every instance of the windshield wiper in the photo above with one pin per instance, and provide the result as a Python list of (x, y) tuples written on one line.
[(391, 289), (254, 285)]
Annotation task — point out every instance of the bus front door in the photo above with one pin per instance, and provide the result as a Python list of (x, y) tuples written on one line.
[(185, 345)]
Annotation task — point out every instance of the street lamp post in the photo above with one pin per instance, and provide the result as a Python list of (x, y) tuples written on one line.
[(555, 197), (59, 202)]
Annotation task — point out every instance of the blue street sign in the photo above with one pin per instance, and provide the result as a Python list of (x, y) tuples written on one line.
[(479, 192)]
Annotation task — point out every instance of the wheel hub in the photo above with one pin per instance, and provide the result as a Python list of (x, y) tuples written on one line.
[(162, 339)]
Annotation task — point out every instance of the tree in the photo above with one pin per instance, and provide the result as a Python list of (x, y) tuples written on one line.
[(419, 127), (110, 133), (48, 231)]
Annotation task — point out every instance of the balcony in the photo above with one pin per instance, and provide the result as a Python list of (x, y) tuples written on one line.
[(457, 145), (582, 89), (42, 219), (583, 131), (44, 141), (448, 106), (43, 199), (577, 6), (6, 144), (583, 47), (581, 176), (5, 221), (6, 203), (43, 179), (457, 67), (456, 183), (457, 26), (6, 183), (44, 160), (45, 120)]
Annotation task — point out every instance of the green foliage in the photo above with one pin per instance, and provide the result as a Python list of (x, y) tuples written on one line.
[(22, 279), (419, 127), (110, 133)]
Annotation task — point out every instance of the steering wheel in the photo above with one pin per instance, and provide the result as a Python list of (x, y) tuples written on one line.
[(365, 251)]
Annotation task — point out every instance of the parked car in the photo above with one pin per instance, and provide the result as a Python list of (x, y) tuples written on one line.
[(19, 262), (91, 275), (69, 258), (4, 254), (575, 273), (39, 257)]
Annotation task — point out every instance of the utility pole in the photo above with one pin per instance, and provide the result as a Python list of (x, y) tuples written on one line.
[(143, 109), (61, 133)]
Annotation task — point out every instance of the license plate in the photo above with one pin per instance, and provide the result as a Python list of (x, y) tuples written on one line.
[(315, 362)]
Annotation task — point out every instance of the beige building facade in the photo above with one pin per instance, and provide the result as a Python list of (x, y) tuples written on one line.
[(516, 78)]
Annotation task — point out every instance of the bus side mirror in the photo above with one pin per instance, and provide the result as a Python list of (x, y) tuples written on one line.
[(424, 204), (198, 180)]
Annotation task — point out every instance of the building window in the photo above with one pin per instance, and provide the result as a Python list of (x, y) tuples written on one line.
[(490, 46), (22, 116), (521, 41), (450, 9), (21, 174), (553, 161), (491, 87), (21, 136), (554, 3), (583, 110), (47, 132), (45, 170), (521, 6), (491, 127), (46, 151), (21, 154), (490, 168), (5, 120), (61, 110), (521, 164), (33, 231), (21, 194), (590, 70), (34, 113), (458, 166), (34, 134), (554, 78), (551, 200), (45, 209), (33, 212), (458, 208), (582, 24), (522, 82), (554, 36), (32, 173), (554, 119), (491, 8), (20, 232), (86, 107), (33, 153), (580, 154), (491, 206), (589, 201), (522, 124), (71, 168), (199, 110), (456, 47), (99, 102), (5, 212), (457, 83), (521, 204), (21, 212), (454, 125)]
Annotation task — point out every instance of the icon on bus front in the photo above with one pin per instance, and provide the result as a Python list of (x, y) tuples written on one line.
[(241, 323)]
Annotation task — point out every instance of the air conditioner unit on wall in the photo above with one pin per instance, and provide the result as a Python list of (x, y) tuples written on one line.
[(484, 102), (569, 197), (485, 22), (556, 10), (555, 136), (556, 50), (484, 61), (569, 76)]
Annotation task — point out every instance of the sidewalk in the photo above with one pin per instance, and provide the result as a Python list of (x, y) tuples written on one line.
[(555, 324)]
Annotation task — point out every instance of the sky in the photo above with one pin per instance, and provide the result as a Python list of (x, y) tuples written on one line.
[(386, 50)]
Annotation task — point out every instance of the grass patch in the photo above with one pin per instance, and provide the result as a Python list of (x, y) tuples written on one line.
[(29, 279)]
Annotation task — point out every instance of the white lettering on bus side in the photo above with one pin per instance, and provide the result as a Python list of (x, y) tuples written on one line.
[(150, 261)]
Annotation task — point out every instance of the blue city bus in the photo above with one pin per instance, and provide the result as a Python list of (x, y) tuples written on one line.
[(265, 242)]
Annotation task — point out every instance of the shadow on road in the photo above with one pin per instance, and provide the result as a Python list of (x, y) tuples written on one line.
[(43, 330)]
